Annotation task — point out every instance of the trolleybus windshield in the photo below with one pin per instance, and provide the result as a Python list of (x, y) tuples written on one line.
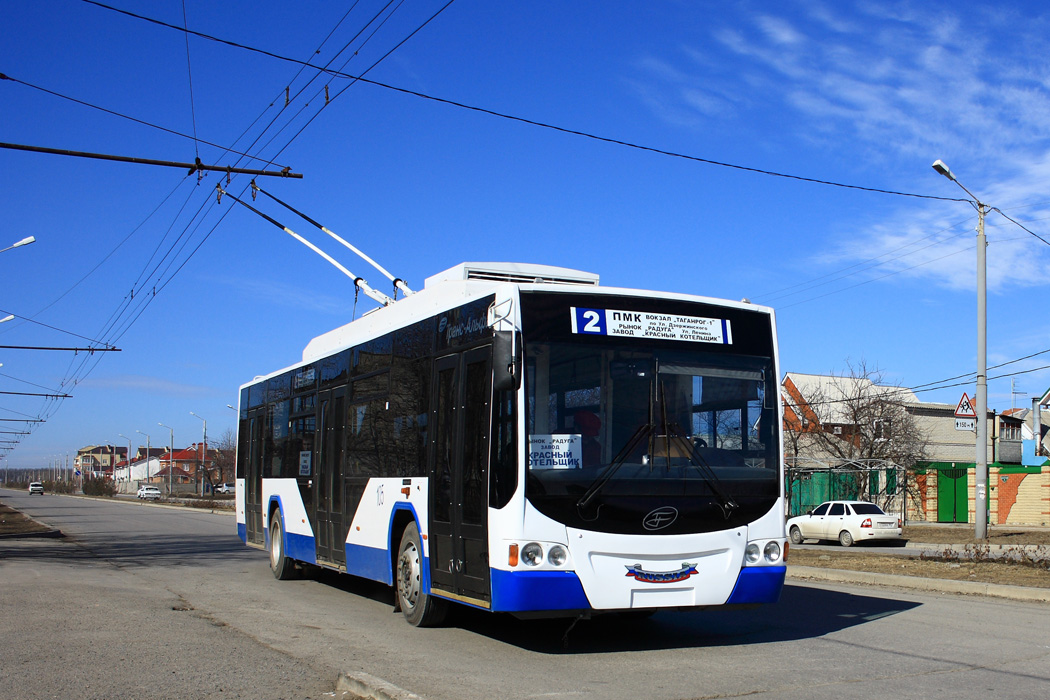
[(620, 426)]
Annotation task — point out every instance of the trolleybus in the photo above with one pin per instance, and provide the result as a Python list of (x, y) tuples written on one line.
[(520, 439)]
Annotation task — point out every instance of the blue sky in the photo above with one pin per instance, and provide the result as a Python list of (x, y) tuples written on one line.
[(859, 93)]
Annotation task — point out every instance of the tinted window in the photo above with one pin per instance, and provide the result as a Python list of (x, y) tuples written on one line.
[(837, 509), (821, 509), (867, 509)]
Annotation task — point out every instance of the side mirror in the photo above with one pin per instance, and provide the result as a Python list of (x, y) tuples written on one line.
[(506, 360)]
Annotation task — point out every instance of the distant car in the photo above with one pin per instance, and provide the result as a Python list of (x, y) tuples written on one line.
[(149, 493), (845, 521), (36, 487), (225, 488)]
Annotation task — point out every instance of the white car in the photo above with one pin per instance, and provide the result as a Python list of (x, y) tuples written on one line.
[(225, 488), (149, 493), (845, 521), (36, 487)]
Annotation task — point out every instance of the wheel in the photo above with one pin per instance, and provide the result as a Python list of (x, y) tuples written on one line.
[(796, 535), (419, 609), (282, 567), (845, 539)]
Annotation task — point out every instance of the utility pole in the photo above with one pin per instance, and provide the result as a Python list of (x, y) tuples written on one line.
[(981, 464)]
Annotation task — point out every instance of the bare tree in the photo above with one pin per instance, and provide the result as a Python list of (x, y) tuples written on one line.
[(854, 421), (225, 454)]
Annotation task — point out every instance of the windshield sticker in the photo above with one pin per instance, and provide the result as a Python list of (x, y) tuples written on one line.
[(645, 324), (555, 451)]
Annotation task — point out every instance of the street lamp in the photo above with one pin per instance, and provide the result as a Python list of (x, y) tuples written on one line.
[(204, 455), (171, 454), (981, 477), (25, 241), (129, 455), (147, 454)]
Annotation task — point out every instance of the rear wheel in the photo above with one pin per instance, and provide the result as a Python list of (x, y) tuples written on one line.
[(845, 539), (796, 535), (282, 567), (419, 608)]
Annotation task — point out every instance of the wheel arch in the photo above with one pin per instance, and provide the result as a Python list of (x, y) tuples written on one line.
[(402, 515)]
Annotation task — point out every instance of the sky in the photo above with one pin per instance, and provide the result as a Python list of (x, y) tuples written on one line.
[(701, 109)]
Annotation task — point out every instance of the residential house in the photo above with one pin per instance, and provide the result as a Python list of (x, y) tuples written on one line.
[(941, 475)]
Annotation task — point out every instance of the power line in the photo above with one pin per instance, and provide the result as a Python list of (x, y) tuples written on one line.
[(225, 149), (523, 120)]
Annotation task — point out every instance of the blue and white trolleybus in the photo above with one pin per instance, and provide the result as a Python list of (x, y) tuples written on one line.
[(520, 439)]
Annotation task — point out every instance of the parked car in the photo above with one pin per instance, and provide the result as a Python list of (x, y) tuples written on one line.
[(149, 493), (36, 487), (225, 488), (845, 521)]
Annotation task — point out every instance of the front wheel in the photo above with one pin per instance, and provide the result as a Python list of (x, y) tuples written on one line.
[(282, 567), (796, 535), (419, 608), (845, 539)]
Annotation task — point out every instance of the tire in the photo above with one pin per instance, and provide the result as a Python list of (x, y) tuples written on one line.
[(281, 565), (419, 608), (796, 535), (845, 539)]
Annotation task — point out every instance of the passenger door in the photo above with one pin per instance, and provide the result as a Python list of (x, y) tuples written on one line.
[(833, 521), (253, 507), (458, 470), (329, 527)]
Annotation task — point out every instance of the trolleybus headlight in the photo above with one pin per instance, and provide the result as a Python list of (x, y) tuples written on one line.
[(752, 553), (557, 555), (532, 554), (772, 552)]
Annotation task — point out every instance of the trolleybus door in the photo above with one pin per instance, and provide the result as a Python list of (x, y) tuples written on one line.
[(253, 515), (462, 396), (328, 523)]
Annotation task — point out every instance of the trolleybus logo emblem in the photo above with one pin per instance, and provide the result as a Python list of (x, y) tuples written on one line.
[(660, 518), (638, 573)]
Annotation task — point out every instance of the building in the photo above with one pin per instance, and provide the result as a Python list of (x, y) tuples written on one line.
[(833, 424), (98, 460)]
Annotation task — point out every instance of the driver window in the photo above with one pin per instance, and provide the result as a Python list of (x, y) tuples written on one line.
[(821, 509)]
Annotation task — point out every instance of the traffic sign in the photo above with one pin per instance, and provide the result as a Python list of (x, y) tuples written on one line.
[(965, 408), (967, 424)]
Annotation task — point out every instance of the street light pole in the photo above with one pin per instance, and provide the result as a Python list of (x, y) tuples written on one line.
[(981, 468), (171, 455), (204, 455), (128, 459), (147, 455)]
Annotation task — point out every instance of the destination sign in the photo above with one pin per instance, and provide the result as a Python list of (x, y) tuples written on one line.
[(645, 324)]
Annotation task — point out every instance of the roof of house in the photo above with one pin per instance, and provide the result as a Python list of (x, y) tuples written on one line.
[(834, 390)]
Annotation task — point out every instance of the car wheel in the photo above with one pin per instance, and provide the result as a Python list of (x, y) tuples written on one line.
[(419, 608), (283, 568), (845, 539), (796, 535)]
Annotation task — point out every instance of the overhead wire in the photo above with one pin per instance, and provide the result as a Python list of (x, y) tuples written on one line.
[(532, 122)]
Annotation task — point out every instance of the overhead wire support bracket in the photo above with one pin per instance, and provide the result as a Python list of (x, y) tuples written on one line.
[(359, 282), (193, 167), (398, 282)]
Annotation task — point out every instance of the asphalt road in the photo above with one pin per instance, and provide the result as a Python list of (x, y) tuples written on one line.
[(168, 603)]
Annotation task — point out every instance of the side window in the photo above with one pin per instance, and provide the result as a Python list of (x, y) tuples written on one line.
[(821, 509), (837, 509)]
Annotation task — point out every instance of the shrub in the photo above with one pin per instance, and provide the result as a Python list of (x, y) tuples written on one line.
[(99, 486)]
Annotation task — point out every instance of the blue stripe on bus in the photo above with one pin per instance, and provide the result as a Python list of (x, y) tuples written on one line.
[(537, 590), (758, 584), (242, 532), (368, 562), (299, 547)]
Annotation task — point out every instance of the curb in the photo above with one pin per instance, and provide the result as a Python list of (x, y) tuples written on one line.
[(365, 686), (995, 590), (27, 535)]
